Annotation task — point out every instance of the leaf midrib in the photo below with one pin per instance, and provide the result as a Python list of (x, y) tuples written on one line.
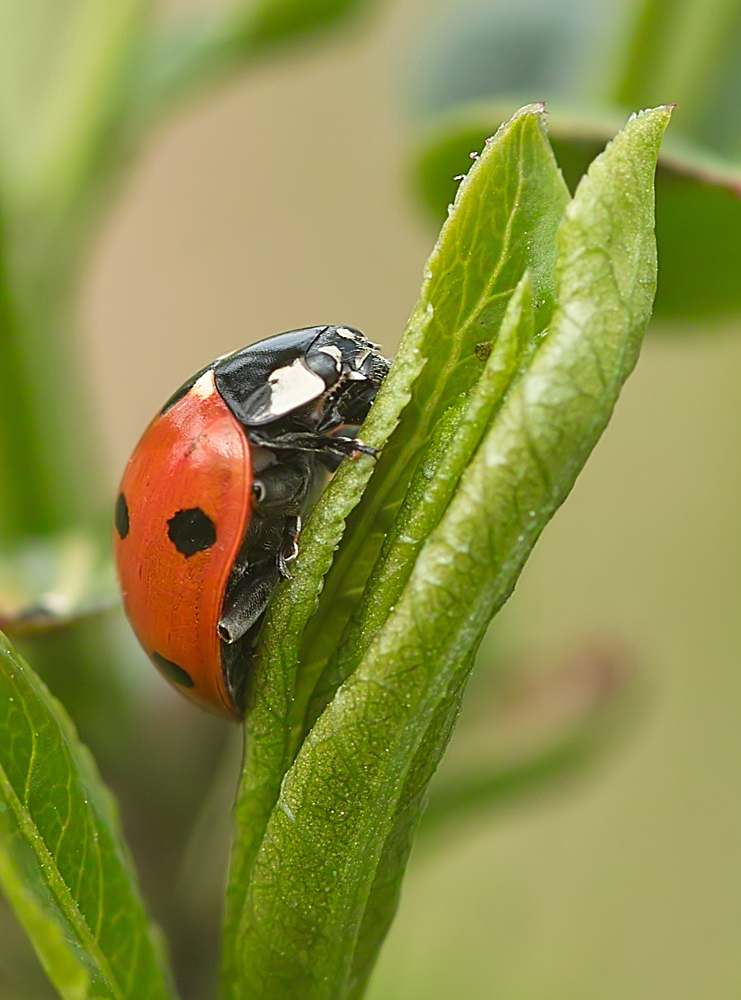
[(57, 884)]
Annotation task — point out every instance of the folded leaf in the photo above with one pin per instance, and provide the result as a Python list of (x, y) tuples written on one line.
[(503, 221), (506, 215), (359, 769), (453, 443)]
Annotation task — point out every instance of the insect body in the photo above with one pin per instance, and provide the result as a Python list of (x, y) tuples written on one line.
[(209, 511)]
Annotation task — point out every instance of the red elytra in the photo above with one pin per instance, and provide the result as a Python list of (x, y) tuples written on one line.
[(192, 460)]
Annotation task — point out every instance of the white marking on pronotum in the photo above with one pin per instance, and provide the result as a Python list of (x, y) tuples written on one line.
[(293, 386), (205, 385), (333, 352), (346, 334)]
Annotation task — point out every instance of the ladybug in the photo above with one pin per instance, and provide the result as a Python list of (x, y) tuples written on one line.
[(208, 515)]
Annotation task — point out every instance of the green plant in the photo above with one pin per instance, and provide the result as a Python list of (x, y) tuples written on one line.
[(530, 319)]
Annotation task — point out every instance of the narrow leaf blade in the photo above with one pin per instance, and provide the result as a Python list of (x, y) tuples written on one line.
[(503, 222), (453, 442), (63, 865), (272, 720), (514, 342)]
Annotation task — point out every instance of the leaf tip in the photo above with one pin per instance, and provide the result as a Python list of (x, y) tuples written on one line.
[(658, 116)]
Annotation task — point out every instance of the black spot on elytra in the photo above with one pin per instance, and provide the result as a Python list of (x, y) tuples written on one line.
[(173, 672), (121, 516), (191, 531)]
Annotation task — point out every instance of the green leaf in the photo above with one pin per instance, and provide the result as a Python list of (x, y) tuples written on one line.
[(518, 182), (428, 496), (453, 442), (698, 203), (504, 221), (206, 49), (514, 52), (63, 864), (365, 763), (383, 898)]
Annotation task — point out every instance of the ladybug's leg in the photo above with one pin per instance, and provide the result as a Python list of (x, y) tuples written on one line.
[(311, 443), (289, 546), (247, 602), (270, 546)]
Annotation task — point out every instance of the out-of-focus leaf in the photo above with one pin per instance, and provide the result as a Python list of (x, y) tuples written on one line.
[(201, 50), (319, 859), (615, 56), (687, 53), (530, 50), (533, 735), (82, 81), (59, 66), (50, 582), (698, 204), (270, 22), (63, 865)]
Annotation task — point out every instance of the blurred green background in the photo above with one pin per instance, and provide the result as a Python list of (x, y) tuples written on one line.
[(284, 200)]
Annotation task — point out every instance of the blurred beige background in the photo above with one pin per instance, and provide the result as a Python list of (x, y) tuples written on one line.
[(280, 202)]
